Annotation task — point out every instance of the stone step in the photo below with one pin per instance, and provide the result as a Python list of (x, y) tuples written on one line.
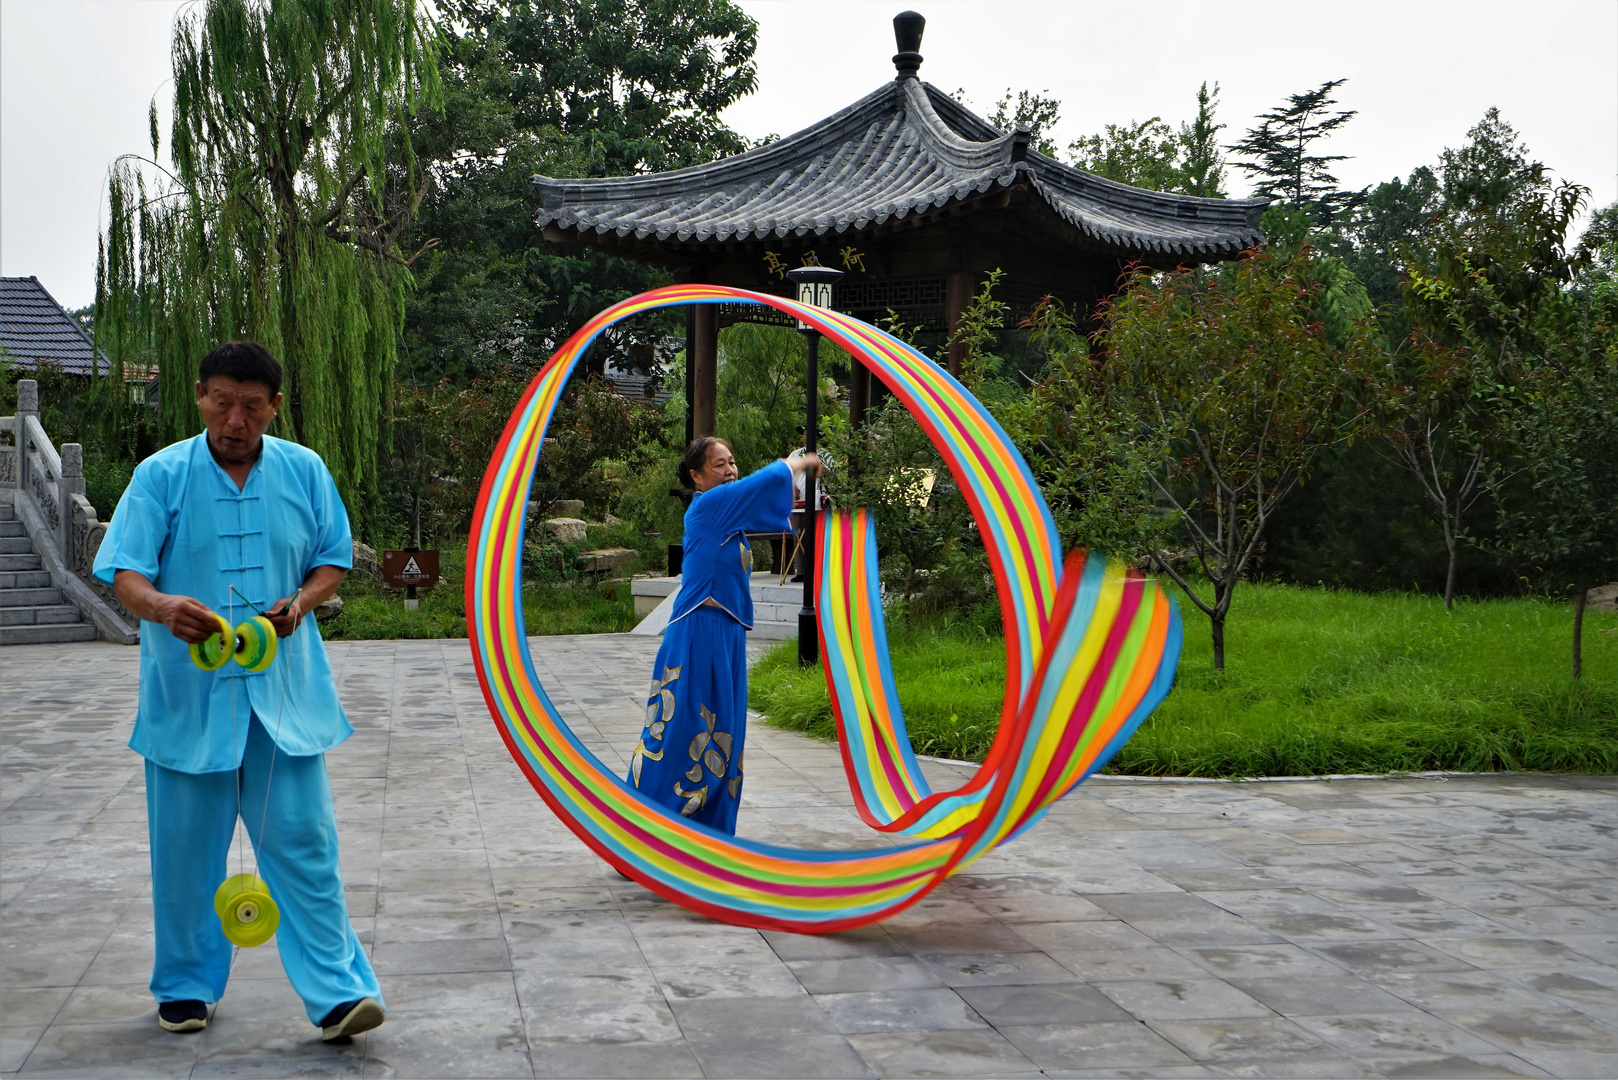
[(774, 631), (772, 612), (25, 579), (12, 528), (7, 512), (42, 635), (38, 615), (29, 597), (16, 545), (12, 564), (779, 594)]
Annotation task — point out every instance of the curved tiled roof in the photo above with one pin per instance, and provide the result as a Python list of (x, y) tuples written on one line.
[(906, 149)]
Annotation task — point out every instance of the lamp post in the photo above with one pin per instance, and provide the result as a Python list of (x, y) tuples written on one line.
[(814, 287)]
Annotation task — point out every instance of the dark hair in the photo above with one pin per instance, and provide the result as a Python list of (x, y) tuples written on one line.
[(696, 456), (244, 361)]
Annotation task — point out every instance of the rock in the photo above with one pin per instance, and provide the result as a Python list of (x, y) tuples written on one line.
[(364, 561), (566, 508), (567, 530), (596, 562), (328, 609), (609, 521), (1602, 598)]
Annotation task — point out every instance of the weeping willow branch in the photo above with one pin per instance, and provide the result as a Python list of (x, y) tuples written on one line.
[(279, 218)]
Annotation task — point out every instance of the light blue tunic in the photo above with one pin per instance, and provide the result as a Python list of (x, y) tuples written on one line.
[(183, 524)]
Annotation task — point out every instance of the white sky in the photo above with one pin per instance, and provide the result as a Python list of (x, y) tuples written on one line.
[(76, 77)]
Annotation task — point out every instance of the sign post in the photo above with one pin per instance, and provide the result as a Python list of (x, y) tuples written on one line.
[(408, 570)]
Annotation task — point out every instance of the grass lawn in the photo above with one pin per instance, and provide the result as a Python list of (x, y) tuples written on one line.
[(1316, 682), (372, 612)]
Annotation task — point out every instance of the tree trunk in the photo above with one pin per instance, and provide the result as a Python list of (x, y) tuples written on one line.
[(1218, 620), (1578, 630), (1449, 579)]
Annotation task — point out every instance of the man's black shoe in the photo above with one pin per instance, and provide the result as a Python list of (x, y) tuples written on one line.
[(182, 1015), (351, 1018)]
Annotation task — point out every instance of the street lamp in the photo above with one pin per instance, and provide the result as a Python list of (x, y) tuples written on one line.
[(814, 287)]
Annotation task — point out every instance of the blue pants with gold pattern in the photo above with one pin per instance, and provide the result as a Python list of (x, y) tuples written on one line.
[(689, 757)]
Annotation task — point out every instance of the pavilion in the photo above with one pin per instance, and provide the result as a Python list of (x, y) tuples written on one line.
[(913, 196)]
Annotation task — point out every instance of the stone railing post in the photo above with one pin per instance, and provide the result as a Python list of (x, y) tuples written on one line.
[(27, 405), (69, 484)]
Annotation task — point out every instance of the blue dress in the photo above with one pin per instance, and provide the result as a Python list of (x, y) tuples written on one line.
[(689, 757)]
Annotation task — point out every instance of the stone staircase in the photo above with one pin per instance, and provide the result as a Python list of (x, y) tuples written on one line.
[(32, 610)]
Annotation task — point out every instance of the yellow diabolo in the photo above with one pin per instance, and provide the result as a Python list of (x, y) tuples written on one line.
[(251, 644), (246, 912)]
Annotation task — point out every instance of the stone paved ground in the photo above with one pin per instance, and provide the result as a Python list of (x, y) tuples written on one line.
[(1413, 927)]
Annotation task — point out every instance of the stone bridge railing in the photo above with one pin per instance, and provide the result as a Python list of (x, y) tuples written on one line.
[(47, 489)]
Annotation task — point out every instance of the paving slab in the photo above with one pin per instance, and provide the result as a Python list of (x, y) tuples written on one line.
[(1405, 927)]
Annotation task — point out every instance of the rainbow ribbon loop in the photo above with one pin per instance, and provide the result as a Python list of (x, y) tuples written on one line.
[(1091, 648)]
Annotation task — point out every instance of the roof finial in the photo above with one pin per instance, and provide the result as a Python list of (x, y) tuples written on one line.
[(907, 29)]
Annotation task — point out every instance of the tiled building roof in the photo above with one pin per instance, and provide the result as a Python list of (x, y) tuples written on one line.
[(903, 151), (36, 331)]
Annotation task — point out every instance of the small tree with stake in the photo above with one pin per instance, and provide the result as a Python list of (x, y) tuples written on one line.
[(1561, 511), (1232, 375)]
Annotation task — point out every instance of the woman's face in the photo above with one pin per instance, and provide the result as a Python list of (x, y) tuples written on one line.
[(719, 468)]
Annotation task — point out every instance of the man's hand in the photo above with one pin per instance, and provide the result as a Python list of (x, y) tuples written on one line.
[(187, 618), (808, 462), (286, 615)]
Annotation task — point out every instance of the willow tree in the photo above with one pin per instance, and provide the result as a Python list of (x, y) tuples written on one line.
[(278, 218)]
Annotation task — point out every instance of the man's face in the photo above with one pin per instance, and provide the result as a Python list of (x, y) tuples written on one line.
[(236, 414)]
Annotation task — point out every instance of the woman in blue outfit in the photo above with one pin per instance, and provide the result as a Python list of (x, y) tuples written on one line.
[(689, 757)]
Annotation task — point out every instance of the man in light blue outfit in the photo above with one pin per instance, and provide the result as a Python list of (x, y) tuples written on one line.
[(229, 522)]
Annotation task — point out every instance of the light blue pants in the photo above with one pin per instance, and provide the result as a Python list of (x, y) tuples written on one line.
[(191, 819)]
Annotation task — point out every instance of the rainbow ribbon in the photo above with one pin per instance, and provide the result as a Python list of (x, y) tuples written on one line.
[(1091, 648)]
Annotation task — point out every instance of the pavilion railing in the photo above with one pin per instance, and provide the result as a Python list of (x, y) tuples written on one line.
[(46, 488)]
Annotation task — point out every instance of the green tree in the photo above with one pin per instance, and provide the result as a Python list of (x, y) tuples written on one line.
[(1234, 382), (1281, 163), (562, 88), (1142, 154), (281, 217), (1396, 215), (1038, 113), (639, 84), (1504, 282), (1202, 168), (1560, 512), (1090, 461)]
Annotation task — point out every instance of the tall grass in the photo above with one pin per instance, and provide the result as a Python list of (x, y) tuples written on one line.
[(1317, 682)]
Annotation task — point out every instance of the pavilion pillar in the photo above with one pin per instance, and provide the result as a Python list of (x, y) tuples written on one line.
[(957, 298), (704, 376), (690, 372), (859, 395)]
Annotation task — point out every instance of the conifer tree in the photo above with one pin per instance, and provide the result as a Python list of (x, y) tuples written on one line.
[(1279, 148)]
